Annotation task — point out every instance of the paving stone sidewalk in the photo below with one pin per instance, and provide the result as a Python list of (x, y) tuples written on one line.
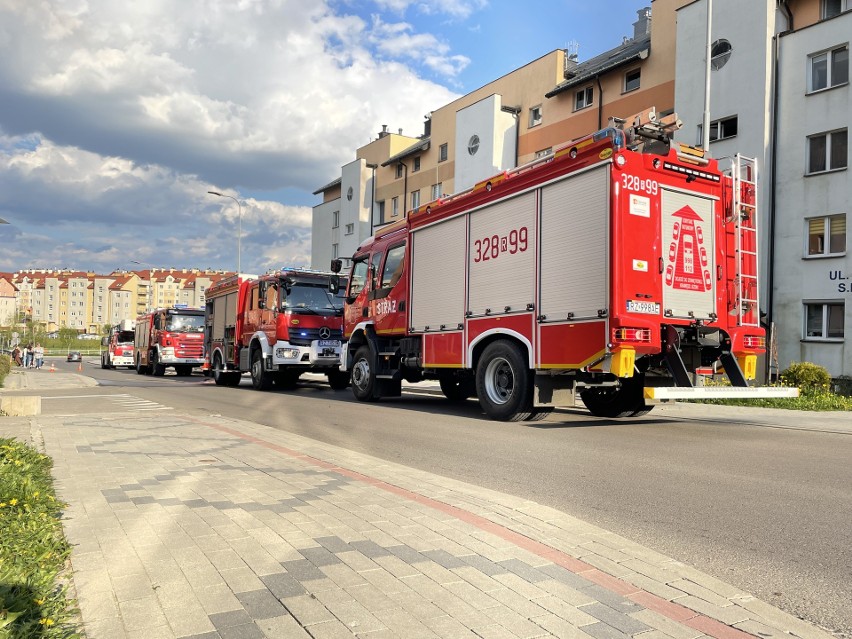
[(216, 528)]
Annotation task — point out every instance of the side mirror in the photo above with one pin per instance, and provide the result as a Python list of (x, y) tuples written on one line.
[(334, 284), (336, 265)]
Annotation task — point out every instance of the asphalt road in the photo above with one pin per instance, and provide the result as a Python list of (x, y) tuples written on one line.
[(765, 507)]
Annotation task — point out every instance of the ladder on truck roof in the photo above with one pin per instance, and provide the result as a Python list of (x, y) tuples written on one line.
[(744, 174)]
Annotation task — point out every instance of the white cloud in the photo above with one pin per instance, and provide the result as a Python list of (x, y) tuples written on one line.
[(121, 115)]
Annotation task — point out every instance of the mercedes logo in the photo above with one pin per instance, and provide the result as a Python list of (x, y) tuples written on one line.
[(325, 332)]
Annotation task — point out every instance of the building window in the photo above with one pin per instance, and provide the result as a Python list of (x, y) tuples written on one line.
[(722, 129), (827, 151), (381, 211), (335, 219), (395, 207), (334, 251), (350, 229), (535, 116), (829, 69), (437, 190), (824, 320), (399, 170), (417, 163), (831, 8), (632, 80), (826, 236), (415, 200), (583, 98), (442, 153), (720, 53)]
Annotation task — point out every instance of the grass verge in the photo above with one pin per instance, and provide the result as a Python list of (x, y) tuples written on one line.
[(817, 399), (33, 550)]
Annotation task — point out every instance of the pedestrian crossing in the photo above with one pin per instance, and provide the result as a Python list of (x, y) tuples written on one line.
[(137, 404), (89, 403)]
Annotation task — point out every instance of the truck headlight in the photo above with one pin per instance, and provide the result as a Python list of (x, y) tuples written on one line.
[(287, 353), (167, 353)]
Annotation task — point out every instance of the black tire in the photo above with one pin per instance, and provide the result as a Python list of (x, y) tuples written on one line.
[(364, 385), (615, 402), (157, 369), (103, 363), (287, 380), (504, 384), (260, 379), (457, 388), (219, 374), (233, 379), (183, 371), (338, 380), (139, 369)]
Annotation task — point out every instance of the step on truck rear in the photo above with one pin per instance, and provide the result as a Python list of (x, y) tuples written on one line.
[(614, 268)]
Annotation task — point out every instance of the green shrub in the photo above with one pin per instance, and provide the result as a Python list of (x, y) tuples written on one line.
[(808, 377), (33, 551), (5, 367)]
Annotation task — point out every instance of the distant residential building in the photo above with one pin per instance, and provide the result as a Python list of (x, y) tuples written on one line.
[(87, 301)]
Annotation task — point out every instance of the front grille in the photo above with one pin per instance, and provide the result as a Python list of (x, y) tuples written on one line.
[(304, 336), (194, 350)]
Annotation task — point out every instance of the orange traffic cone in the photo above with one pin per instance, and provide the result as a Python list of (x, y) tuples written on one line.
[(52, 368), (80, 366)]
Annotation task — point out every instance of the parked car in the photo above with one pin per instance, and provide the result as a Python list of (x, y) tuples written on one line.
[(74, 356)]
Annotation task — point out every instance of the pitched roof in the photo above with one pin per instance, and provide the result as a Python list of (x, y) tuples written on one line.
[(420, 145), (628, 52)]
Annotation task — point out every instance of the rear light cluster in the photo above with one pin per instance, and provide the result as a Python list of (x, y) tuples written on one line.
[(631, 334), (754, 341)]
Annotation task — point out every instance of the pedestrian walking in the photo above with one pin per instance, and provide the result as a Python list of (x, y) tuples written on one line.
[(38, 352), (28, 355)]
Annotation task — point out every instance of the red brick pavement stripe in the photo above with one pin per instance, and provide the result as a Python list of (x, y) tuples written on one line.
[(668, 609)]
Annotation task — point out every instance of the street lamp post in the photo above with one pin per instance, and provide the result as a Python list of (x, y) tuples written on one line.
[(239, 225)]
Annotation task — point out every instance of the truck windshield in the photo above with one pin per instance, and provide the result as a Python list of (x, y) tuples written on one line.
[(185, 323), (312, 298), (124, 336)]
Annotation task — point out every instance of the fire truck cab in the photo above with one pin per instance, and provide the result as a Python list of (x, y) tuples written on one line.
[(276, 326), (169, 337), (117, 346)]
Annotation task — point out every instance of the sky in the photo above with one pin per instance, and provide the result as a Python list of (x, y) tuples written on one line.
[(117, 116)]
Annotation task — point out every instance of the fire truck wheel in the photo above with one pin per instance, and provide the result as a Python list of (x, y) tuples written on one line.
[(103, 363), (338, 380), (141, 370), (157, 369), (615, 402), (455, 388), (219, 374), (504, 383), (260, 379), (364, 376)]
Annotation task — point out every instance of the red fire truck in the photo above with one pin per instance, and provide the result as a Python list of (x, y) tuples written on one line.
[(276, 326), (169, 337), (117, 346), (616, 268)]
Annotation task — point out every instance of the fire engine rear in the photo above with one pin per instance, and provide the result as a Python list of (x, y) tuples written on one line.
[(619, 267)]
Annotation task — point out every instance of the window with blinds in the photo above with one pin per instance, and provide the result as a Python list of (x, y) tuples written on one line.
[(826, 236)]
